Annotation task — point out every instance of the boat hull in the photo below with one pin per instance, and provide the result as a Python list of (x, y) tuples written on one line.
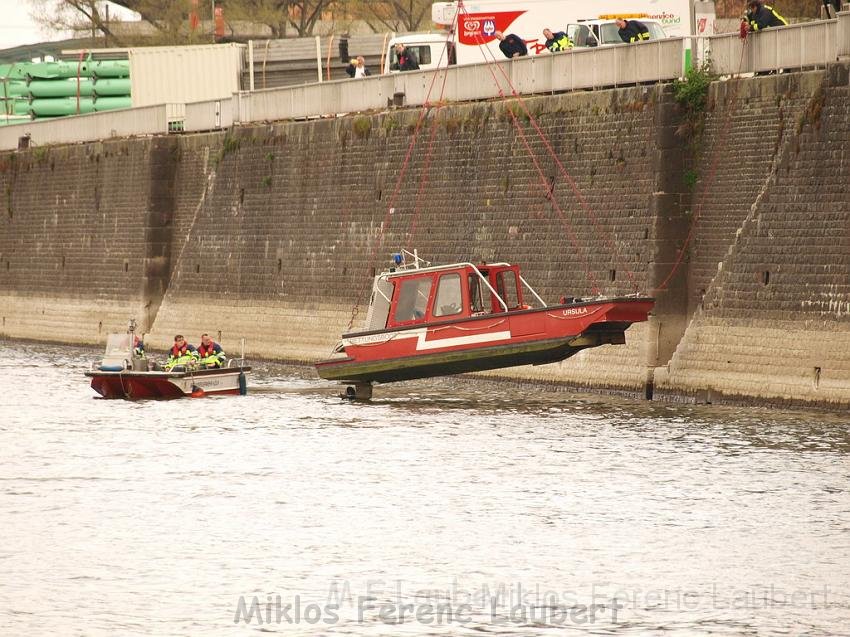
[(137, 385), (527, 337)]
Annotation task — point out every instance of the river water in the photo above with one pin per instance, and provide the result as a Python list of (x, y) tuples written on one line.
[(444, 507)]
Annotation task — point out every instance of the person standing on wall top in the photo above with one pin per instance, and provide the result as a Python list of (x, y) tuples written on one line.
[(762, 16), (361, 70), (210, 352), (181, 353), (557, 41), (357, 68), (632, 30), (405, 59), (511, 45)]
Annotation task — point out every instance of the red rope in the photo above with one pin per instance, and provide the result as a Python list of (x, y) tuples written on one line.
[(606, 236), (712, 170), (544, 181), (385, 224)]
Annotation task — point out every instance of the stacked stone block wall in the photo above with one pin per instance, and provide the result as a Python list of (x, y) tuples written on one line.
[(272, 232), (773, 323)]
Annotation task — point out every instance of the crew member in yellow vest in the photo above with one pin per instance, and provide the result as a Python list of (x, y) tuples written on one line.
[(632, 30), (210, 352), (182, 353), (557, 41), (761, 16)]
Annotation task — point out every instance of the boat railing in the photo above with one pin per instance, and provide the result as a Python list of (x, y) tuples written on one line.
[(489, 287), (531, 289)]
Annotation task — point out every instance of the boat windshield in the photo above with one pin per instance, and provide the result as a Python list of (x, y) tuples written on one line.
[(117, 345), (379, 308), (413, 300), (449, 300)]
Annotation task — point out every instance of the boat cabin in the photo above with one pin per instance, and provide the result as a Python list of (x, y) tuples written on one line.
[(409, 297)]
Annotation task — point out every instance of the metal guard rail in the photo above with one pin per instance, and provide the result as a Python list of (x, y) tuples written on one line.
[(797, 46)]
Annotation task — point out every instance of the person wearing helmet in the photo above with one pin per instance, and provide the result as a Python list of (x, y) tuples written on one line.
[(632, 30), (762, 16)]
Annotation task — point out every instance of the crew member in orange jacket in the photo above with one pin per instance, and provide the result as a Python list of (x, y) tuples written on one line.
[(210, 352), (182, 353)]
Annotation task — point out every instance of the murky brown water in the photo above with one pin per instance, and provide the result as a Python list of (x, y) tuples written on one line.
[(461, 505)]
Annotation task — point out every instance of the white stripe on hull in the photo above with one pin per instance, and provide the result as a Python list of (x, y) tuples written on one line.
[(421, 333), (221, 382)]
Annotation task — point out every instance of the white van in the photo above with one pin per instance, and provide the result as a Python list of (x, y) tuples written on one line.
[(476, 22)]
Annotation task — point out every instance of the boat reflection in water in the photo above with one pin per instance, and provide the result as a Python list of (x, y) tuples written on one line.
[(126, 373), (428, 320)]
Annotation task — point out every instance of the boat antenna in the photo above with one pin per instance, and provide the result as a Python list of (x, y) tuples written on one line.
[(131, 330), (400, 259)]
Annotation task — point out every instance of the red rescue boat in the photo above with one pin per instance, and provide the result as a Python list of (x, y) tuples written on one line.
[(428, 321), (125, 373)]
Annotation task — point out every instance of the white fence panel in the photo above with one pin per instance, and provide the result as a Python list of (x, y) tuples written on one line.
[(366, 94), (534, 75), (148, 120), (790, 47), (210, 115), (522, 73), (843, 34), (809, 44), (726, 51), (478, 81), (414, 86)]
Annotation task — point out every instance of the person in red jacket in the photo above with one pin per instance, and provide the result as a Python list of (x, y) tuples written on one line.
[(210, 352)]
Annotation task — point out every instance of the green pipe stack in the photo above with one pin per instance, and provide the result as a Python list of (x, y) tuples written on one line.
[(35, 90)]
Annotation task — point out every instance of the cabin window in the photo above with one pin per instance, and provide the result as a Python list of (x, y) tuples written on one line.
[(449, 300), (476, 298), (412, 300), (379, 308), (422, 52), (506, 287), (610, 33)]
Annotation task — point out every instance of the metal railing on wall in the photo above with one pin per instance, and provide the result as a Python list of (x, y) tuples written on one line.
[(809, 44), (579, 69), (812, 44), (146, 120)]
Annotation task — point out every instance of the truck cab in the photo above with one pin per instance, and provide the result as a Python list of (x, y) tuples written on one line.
[(429, 48), (592, 33)]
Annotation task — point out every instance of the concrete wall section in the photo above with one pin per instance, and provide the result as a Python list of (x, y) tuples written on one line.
[(272, 232), (72, 246), (774, 322), (280, 244)]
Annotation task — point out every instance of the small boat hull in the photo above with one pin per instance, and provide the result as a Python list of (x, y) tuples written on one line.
[(138, 385), (527, 337)]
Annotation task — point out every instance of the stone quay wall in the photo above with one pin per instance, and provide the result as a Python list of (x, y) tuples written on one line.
[(271, 232)]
